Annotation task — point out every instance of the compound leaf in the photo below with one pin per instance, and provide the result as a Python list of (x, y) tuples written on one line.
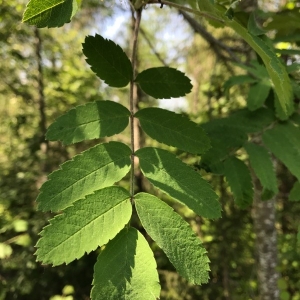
[(262, 165), (126, 269), (284, 141), (164, 83), (178, 180), (258, 93), (239, 180), (295, 192), (107, 60), (51, 13), (89, 223), (173, 129), (96, 168), (93, 120), (174, 236)]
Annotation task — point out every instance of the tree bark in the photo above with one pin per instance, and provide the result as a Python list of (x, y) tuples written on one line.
[(264, 217)]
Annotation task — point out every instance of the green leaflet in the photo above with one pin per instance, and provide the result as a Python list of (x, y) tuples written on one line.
[(89, 223), (96, 168), (239, 180), (178, 180), (258, 93), (107, 60), (284, 141), (173, 129), (51, 13), (164, 83), (175, 237), (262, 165), (295, 192), (93, 120), (126, 269), (253, 26), (240, 79)]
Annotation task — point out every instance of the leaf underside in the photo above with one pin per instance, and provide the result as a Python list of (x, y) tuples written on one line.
[(51, 13), (262, 165), (90, 121), (107, 60), (173, 129), (239, 180), (175, 237), (164, 83), (93, 169), (89, 223), (284, 141), (126, 269), (179, 181)]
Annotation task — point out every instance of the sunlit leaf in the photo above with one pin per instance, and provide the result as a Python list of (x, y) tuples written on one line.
[(175, 237), (178, 180), (93, 120), (173, 129), (240, 182), (89, 223), (107, 60), (164, 83), (96, 168), (126, 269), (50, 13), (262, 165)]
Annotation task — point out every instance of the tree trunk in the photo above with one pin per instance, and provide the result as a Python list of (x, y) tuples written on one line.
[(264, 216)]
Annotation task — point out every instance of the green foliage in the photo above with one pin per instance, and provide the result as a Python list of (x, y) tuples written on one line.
[(284, 141), (258, 93), (295, 192), (93, 120), (262, 165), (174, 236), (53, 13), (89, 223), (164, 83), (126, 269), (96, 168), (173, 129), (107, 60), (239, 180), (179, 181), (95, 212)]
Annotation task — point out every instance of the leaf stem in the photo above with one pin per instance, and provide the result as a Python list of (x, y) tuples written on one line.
[(132, 97), (187, 9)]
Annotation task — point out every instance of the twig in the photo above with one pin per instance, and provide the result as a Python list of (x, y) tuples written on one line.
[(131, 97)]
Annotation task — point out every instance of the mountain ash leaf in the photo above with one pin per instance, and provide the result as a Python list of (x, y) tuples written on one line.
[(93, 169), (174, 236), (89, 223), (173, 129), (126, 269), (90, 121)]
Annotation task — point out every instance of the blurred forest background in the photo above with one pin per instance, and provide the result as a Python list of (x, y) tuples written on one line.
[(43, 74)]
